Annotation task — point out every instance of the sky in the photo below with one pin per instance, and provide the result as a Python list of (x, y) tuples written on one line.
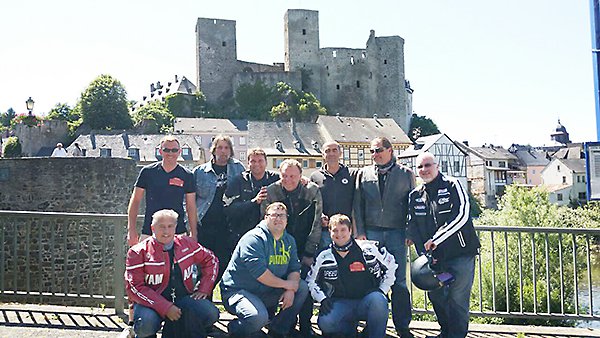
[(494, 72)]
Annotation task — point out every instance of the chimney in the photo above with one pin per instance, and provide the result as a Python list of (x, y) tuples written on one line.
[(176, 79), (466, 143)]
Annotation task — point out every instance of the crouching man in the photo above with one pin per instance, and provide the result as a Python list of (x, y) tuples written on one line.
[(159, 281), (262, 275), (351, 280)]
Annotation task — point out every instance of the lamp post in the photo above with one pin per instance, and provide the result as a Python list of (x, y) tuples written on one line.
[(29, 103)]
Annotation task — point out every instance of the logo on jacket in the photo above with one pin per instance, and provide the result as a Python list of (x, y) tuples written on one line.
[(344, 180), (154, 279), (282, 258), (187, 273)]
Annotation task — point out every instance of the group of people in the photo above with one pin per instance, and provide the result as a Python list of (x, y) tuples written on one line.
[(278, 241)]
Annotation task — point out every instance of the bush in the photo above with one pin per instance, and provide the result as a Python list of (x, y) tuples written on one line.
[(12, 147)]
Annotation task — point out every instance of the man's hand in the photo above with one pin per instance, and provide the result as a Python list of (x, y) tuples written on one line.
[(361, 237), (132, 237), (408, 242), (261, 196), (291, 285), (430, 246), (324, 221), (307, 260), (326, 306), (199, 295), (286, 299), (174, 313)]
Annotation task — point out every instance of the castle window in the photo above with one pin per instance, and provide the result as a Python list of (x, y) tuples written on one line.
[(370, 75), (385, 76), (352, 60), (304, 32), (334, 53), (305, 42), (363, 55), (223, 44), (357, 84), (385, 62), (214, 22), (337, 86)]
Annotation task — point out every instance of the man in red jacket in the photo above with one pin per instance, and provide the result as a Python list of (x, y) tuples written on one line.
[(159, 280)]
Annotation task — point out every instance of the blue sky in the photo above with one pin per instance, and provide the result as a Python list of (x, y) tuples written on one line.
[(485, 71)]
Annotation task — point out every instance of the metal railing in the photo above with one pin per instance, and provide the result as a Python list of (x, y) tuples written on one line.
[(532, 272), (66, 258), (78, 258)]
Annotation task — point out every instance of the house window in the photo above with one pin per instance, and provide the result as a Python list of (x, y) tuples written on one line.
[(533, 171), (105, 152), (564, 179), (557, 168), (186, 151), (304, 163), (444, 167), (361, 154), (559, 197), (346, 154), (457, 167), (157, 152), (242, 154), (242, 140), (319, 164), (133, 153), (582, 196), (502, 164), (277, 162), (578, 178)]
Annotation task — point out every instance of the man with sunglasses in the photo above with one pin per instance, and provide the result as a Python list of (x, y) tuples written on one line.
[(439, 222), (380, 213), (166, 185)]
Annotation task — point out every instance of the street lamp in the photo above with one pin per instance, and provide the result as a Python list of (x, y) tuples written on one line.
[(29, 103)]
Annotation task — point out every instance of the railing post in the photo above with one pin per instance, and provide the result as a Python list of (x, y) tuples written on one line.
[(119, 268)]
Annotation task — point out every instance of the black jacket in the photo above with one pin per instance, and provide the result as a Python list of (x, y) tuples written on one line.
[(337, 190), (242, 214), (439, 211)]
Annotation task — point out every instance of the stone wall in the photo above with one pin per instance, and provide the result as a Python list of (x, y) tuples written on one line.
[(53, 254), (47, 135)]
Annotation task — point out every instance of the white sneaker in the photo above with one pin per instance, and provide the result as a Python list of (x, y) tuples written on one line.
[(127, 333)]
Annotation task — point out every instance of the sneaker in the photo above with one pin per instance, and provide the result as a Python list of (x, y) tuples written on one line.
[(405, 333), (127, 332)]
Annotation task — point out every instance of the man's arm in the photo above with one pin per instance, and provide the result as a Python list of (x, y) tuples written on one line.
[(459, 215), (311, 279), (208, 265), (132, 213), (190, 208), (388, 261), (269, 279)]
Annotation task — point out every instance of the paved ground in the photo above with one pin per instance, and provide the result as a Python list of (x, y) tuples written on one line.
[(41, 321)]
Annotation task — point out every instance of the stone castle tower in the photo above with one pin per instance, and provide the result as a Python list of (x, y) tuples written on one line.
[(349, 81)]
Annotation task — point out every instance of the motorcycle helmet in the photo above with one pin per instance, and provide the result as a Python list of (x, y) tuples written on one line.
[(424, 277)]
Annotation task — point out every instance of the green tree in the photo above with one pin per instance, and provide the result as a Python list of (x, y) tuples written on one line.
[(255, 100), (6, 117), (62, 111), (301, 107), (154, 116), (104, 104), (185, 105), (530, 207), (421, 126), (12, 147)]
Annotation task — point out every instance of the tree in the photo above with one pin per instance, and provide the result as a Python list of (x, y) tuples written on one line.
[(104, 104), (62, 111), (6, 117), (301, 107), (154, 116), (12, 147), (255, 100), (421, 126), (186, 105)]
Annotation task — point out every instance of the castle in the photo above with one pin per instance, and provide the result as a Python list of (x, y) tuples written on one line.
[(348, 81)]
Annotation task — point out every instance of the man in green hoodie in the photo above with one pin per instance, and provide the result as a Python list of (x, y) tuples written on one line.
[(263, 274)]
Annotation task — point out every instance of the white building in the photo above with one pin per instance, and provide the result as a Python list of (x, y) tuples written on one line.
[(565, 181)]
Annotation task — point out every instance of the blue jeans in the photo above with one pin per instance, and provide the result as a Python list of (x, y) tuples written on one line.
[(393, 241), (253, 310), (346, 313), (451, 303), (197, 315)]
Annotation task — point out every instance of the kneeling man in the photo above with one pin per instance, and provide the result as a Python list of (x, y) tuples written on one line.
[(159, 281), (263, 273), (351, 280)]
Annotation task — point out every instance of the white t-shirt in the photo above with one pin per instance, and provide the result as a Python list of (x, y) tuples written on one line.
[(59, 152)]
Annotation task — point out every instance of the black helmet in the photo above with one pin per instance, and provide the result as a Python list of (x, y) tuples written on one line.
[(423, 276)]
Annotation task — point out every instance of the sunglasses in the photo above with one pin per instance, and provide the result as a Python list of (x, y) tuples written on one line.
[(376, 150), (426, 165), (170, 150)]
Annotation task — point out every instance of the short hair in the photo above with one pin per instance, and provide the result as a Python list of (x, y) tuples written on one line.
[(426, 155), (330, 143), (216, 141), (385, 142), (340, 219), (169, 138), (164, 213), (59, 145), (290, 162), (277, 206), (257, 152)]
